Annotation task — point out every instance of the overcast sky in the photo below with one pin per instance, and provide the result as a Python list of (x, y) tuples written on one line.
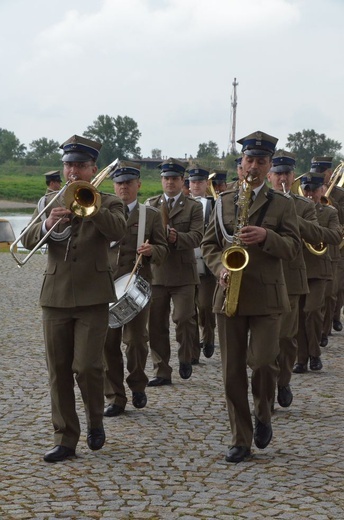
[(170, 65)]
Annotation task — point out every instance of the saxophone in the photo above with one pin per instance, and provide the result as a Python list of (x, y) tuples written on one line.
[(235, 258)]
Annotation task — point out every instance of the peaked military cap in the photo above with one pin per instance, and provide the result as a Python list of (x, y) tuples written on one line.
[(172, 168), (53, 175), (198, 173), (238, 161), (258, 143), (311, 181), (218, 176), (126, 171), (283, 162), (80, 149), (321, 164)]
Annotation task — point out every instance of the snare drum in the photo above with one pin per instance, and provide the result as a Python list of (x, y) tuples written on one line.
[(130, 301)]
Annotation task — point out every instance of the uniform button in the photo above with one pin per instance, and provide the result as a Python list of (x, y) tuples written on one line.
[(74, 259)]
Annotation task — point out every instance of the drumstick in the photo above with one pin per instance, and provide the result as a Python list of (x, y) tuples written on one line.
[(135, 267)]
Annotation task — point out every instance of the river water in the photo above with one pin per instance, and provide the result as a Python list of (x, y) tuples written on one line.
[(17, 220)]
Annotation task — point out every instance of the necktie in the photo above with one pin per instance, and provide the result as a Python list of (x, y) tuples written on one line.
[(126, 212), (170, 204)]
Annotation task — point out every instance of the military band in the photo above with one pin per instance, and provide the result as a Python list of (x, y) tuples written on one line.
[(247, 261)]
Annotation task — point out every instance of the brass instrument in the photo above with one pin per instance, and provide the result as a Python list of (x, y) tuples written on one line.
[(337, 179), (319, 249), (235, 258), (296, 186), (81, 197), (211, 192)]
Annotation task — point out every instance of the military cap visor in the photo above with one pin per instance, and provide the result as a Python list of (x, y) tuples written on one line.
[(282, 168), (258, 144), (198, 174), (80, 149)]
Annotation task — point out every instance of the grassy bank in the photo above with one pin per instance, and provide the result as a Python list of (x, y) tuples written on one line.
[(26, 187)]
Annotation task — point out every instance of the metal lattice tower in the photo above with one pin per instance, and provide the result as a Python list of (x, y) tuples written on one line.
[(232, 145)]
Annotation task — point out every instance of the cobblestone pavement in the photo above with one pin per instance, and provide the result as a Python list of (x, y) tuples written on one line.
[(167, 460)]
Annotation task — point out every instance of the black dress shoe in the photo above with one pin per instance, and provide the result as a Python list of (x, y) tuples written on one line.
[(112, 410), (159, 381), (284, 396), (323, 341), (58, 454), (96, 438), (185, 370), (315, 363), (139, 399), (237, 454), (299, 368), (262, 434), (208, 350), (337, 325)]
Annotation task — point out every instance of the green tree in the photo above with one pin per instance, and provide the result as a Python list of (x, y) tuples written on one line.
[(206, 150), (10, 146), (119, 137), (307, 144), (43, 150), (156, 153)]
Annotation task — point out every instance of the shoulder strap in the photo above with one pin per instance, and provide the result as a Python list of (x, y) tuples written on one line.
[(142, 225)]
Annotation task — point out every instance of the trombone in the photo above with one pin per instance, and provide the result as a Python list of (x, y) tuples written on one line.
[(81, 197)]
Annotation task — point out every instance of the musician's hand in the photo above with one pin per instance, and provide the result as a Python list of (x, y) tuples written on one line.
[(145, 249), (55, 215), (252, 235), (224, 277), (172, 236)]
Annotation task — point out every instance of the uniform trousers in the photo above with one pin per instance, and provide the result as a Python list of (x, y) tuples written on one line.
[(288, 343), (259, 350), (183, 316), (204, 313), (135, 337), (310, 321), (340, 294), (331, 292), (74, 343)]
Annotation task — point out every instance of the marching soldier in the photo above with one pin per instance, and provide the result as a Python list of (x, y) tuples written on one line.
[(219, 180), (281, 176), (198, 177), (75, 297), (268, 230), (53, 181), (319, 272), (334, 287), (146, 237), (176, 279)]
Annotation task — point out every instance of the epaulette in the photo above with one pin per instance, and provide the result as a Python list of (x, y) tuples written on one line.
[(330, 207), (152, 208), (301, 197), (190, 197), (148, 201), (286, 195)]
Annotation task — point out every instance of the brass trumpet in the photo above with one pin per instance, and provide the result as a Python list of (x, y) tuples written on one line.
[(81, 197)]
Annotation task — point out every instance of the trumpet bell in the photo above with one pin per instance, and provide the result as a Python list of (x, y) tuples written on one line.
[(82, 199), (235, 258)]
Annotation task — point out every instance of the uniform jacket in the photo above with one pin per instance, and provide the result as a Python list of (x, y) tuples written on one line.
[(78, 271), (123, 255), (319, 267), (179, 268), (263, 288), (295, 271)]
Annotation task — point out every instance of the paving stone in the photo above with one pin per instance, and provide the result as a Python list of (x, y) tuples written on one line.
[(167, 460)]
